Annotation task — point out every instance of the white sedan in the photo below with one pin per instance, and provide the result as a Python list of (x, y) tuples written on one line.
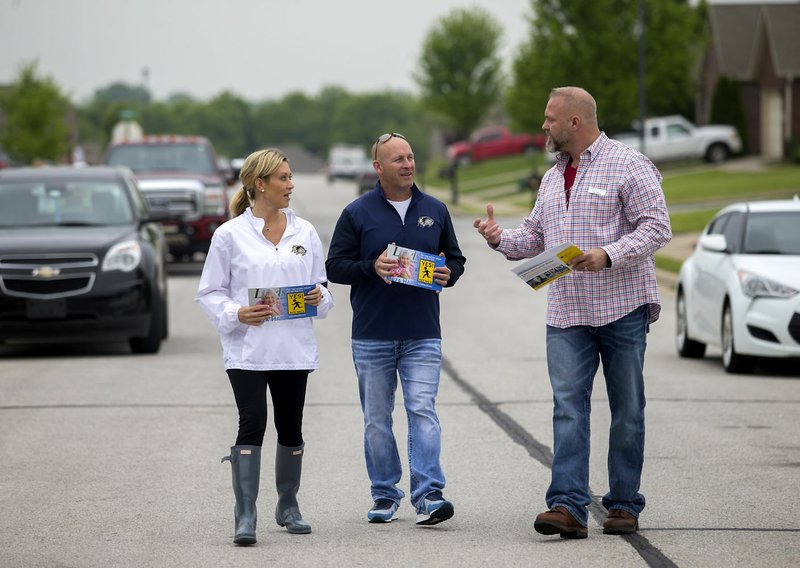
[(740, 288)]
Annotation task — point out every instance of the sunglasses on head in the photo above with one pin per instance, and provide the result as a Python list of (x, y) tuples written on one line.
[(385, 138)]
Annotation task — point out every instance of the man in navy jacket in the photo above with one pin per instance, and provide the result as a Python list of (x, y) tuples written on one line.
[(396, 328)]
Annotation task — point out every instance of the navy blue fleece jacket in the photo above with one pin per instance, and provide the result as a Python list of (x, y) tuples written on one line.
[(364, 229)]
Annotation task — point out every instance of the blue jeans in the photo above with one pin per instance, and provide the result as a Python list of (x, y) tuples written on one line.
[(573, 357), (418, 363)]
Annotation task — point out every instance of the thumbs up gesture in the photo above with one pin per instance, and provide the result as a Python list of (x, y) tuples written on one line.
[(488, 228)]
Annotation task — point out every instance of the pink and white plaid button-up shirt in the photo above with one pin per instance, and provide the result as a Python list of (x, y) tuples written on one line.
[(616, 204)]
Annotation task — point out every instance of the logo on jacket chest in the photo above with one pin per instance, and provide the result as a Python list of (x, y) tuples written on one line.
[(425, 222), (299, 250)]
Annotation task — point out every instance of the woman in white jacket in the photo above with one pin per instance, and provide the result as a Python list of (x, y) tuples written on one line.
[(265, 245)]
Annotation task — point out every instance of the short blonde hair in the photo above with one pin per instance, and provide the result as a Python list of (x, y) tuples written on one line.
[(259, 164)]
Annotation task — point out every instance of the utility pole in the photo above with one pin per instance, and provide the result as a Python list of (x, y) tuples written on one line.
[(642, 104)]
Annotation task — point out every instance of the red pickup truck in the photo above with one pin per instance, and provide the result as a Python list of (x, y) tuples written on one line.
[(180, 174), (493, 142)]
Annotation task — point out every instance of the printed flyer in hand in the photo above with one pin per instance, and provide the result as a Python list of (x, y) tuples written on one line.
[(414, 267), (289, 301), (547, 266)]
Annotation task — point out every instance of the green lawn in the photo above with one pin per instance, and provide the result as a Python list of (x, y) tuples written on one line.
[(777, 180), (691, 221)]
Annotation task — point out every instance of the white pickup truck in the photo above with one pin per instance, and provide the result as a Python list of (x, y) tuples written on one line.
[(675, 138)]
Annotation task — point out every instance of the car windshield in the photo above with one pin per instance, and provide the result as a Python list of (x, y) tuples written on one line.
[(772, 233), (60, 203), (163, 158)]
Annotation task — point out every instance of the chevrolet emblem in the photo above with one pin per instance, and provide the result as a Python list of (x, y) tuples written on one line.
[(46, 272)]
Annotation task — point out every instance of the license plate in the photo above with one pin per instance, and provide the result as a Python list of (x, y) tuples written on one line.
[(46, 309), (169, 229)]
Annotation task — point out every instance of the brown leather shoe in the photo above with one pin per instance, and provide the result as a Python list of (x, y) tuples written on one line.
[(620, 522), (559, 521)]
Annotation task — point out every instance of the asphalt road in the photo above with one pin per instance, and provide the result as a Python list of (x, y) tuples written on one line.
[(110, 459)]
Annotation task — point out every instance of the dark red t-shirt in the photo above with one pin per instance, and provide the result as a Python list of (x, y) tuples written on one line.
[(569, 179)]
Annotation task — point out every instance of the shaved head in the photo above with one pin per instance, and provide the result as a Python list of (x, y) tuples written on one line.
[(578, 101)]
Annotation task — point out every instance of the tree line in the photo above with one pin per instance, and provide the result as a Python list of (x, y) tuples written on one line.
[(463, 83)]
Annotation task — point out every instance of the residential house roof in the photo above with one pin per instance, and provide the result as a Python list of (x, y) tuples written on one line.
[(740, 31)]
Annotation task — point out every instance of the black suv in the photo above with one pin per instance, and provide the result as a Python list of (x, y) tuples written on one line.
[(81, 258)]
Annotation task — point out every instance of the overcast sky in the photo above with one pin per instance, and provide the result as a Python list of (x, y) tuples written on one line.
[(259, 49)]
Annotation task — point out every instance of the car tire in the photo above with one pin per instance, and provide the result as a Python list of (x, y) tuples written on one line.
[(717, 153), (688, 348), (731, 360), (151, 343)]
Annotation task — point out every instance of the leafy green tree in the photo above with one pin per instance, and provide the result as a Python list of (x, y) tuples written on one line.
[(460, 72), (594, 44), (294, 119), (237, 127), (227, 121), (98, 116), (36, 114), (360, 119)]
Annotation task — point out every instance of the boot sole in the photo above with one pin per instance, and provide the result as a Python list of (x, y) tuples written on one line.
[(292, 529), (244, 540), (551, 528), (630, 530), (298, 531)]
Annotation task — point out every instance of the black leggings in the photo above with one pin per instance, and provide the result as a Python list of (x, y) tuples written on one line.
[(288, 390)]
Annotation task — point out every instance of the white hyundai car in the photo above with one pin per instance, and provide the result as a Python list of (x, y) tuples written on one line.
[(740, 288)]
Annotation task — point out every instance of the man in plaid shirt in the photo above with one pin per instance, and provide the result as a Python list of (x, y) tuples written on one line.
[(606, 199)]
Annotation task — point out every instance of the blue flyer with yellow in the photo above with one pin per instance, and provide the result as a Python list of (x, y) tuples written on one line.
[(414, 267), (288, 302)]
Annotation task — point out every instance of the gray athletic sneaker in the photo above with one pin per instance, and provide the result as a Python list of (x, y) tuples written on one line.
[(383, 511), (434, 509)]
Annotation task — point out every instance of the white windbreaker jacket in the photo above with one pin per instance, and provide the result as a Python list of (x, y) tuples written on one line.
[(240, 258)]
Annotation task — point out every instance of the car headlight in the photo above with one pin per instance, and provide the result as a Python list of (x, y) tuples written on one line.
[(755, 286), (124, 256), (214, 200)]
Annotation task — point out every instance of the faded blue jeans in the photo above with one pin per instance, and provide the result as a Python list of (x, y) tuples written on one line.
[(418, 363), (573, 357)]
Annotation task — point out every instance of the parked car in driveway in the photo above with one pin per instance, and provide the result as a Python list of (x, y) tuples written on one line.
[(82, 258), (740, 288), (669, 138)]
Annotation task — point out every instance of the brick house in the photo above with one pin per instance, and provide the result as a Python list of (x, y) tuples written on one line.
[(758, 45)]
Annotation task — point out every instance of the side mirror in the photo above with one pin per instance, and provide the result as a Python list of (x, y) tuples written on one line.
[(714, 243)]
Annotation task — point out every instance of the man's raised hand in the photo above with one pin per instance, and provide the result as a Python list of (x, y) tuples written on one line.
[(488, 228)]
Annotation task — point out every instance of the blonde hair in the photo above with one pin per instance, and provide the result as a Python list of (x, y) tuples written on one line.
[(259, 164)]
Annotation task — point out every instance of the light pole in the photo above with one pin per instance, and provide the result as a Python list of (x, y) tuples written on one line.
[(640, 24)]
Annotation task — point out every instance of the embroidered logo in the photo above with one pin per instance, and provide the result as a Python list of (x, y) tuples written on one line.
[(299, 250), (424, 222)]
